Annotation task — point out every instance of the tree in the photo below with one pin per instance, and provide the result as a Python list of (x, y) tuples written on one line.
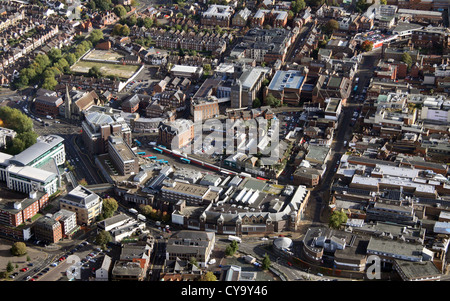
[(148, 22), (131, 21), (103, 238), (110, 206), (9, 267), (383, 2), (125, 31), (266, 262), (19, 248), (145, 209), (231, 248), (209, 276), (70, 58), (95, 36), (337, 218), (95, 72), (103, 5), (120, 11), (229, 251), (297, 6), (29, 138), (367, 46), (49, 83), (117, 29), (16, 146), (54, 54), (361, 6), (193, 261), (330, 27), (272, 101), (315, 3), (14, 119), (406, 58), (256, 103)]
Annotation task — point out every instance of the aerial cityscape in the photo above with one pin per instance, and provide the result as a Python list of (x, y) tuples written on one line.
[(256, 140)]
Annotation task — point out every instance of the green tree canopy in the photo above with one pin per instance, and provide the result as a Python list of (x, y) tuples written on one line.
[(9, 267), (120, 11), (103, 238), (231, 248), (256, 103), (125, 31), (110, 206), (19, 248), (337, 218), (54, 54), (14, 119), (266, 262), (95, 72), (103, 5), (406, 58), (147, 22), (297, 6), (95, 36), (70, 58), (361, 6), (330, 27), (49, 83), (272, 101), (209, 276)]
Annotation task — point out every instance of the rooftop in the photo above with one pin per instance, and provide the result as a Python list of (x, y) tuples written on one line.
[(290, 79)]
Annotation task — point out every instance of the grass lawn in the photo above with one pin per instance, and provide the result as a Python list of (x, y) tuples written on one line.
[(122, 71)]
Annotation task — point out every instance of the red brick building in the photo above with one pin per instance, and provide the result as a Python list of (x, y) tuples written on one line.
[(47, 103), (15, 212), (178, 133)]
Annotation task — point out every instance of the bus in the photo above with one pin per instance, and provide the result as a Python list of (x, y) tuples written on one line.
[(141, 153), (234, 238), (150, 157), (184, 160), (355, 88), (138, 143), (158, 150)]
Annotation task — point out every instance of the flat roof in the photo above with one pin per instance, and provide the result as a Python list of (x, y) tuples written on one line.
[(185, 68), (291, 79), (393, 247), (122, 149), (188, 189), (414, 270)]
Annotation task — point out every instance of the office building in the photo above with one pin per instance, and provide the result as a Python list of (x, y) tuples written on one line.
[(123, 157), (85, 203), (287, 86), (98, 126)]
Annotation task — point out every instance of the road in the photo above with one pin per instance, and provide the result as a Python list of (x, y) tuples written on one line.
[(299, 41), (319, 195)]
